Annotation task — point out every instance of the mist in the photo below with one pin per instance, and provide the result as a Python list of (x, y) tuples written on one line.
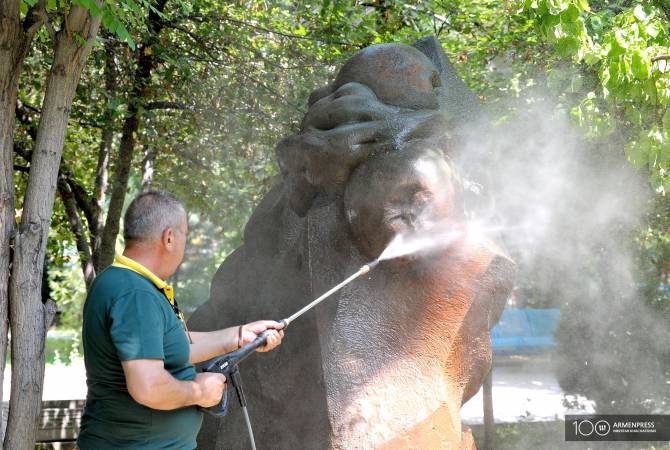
[(569, 211)]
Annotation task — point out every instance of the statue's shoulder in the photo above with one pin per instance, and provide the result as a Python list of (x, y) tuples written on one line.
[(495, 282)]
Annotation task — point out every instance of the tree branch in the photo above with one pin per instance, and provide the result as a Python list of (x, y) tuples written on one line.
[(77, 229), (24, 117), (33, 20), (105, 148), (84, 201), (22, 151), (41, 12), (166, 105), (663, 5), (215, 18), (660, 58)]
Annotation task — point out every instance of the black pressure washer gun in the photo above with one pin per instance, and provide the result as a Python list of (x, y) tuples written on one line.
[(228, 366), (228, 363)]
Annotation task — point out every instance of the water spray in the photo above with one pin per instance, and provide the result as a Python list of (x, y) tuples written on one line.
[(228, 363), (362, 271)]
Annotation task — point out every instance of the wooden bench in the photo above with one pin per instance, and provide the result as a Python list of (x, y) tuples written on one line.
[(525, 331), (59, 423)]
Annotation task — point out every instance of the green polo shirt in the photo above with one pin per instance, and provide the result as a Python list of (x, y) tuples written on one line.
[(127, 317)]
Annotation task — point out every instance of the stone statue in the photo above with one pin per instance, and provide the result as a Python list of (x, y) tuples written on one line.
[(387, 362)]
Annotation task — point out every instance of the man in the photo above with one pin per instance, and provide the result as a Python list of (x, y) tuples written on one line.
[(143, 390)]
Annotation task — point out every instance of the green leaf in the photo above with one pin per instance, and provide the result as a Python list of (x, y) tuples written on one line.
[(91, 5), (664, 154), (640, 66), (584, 5), (639, 13), (620, 39), (572, 13), (123, 34), (567, 46), (638, 153), (109, 21), (666, 121), (649, 86), (133, 6), (614, 76), (653, 29), (596, 23), (79, 39)]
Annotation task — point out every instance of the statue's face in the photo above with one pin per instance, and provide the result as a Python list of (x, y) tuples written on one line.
[(401, 192)]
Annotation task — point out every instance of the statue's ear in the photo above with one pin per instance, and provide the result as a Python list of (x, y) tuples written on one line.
[(431, 47), (459, 103)]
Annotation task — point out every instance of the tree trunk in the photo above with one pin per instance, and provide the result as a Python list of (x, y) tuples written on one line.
[(489, 420), (30, 318), (121, 175), (145, 63), (77, 228), (14, 43), (102, 169)]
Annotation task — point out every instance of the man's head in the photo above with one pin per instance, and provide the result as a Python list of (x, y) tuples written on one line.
[(156, 222)]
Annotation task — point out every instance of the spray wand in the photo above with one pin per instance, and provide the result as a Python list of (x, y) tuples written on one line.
[(228, 363)]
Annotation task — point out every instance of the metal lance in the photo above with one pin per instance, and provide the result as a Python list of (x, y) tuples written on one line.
[(363, 270)]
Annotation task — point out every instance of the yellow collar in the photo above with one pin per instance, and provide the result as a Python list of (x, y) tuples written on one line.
[(131, 264)]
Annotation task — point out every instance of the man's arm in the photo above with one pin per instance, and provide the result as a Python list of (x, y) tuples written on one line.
[(207, 345), (151, 385)]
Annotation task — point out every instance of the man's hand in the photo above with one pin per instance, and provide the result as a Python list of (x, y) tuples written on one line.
[(211, 387), (251, 331)]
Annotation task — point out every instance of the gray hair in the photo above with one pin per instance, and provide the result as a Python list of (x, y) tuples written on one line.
[(151, 213)]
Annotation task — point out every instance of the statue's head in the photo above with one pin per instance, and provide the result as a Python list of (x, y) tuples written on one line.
[(398, 74), (405, 191)]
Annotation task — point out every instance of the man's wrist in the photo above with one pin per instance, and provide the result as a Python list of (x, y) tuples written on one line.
[(196, 392)]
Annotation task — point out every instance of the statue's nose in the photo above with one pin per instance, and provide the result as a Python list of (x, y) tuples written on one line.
[(409, 217)]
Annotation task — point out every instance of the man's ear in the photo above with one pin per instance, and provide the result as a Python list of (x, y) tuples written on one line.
[(168, 237)]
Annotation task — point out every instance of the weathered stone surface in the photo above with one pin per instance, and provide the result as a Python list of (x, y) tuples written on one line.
[(388, 361)]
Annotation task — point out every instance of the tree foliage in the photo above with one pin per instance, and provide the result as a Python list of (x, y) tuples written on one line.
[(609, 60), (226, 83), (622, 73)]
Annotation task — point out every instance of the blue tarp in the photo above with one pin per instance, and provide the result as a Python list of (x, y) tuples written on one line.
[(525, 330)]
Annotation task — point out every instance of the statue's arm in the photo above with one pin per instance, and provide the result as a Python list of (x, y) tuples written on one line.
[(340, 131)]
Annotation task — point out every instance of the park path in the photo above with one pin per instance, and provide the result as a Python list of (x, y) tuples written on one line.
[(61, 382), (523, 390)]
